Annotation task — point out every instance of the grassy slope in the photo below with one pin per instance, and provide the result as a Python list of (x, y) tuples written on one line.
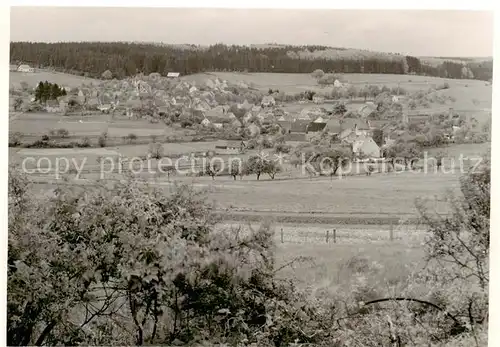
[(62, 79), (464, 90), (42, 123)]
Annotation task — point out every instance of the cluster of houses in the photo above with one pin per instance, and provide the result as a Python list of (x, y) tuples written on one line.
[(356, 132), (127, 97)]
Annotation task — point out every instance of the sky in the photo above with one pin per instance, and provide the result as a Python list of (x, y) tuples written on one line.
[(415, 32)]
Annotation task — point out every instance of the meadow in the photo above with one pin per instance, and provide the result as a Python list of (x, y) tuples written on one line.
[(62, 79), (38, 124), (295, 83)]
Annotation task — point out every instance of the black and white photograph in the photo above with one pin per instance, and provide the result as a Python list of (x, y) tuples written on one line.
[(289, 177)]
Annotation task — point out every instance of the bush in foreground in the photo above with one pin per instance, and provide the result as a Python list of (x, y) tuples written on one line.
[(131, 265)]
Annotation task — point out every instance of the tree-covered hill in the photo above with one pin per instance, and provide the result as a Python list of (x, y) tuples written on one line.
[(126, 59)]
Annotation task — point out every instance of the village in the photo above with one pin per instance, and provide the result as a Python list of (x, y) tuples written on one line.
[(366, 119)]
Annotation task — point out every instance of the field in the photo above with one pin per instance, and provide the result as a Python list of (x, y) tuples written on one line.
[(33, 126), (326, 267), (62, 79), (294, 83), (292, 194)]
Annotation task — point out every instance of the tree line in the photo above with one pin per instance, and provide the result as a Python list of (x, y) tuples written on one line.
[(127, 59)]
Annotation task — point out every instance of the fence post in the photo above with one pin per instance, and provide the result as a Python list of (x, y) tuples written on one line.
[(327, 235), (281, 235), (334, 235), (391, 232)]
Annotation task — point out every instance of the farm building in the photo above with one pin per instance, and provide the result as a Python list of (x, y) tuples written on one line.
[(267, 119), (364, 146), (353, 129), (360, 125), (317, 99), (200, 104), (217, 121), (205, 122), (299, 126), (63, 104), (333, 126), (388, 141), (25, 68), (256, 108), (312, 113), (105, 108), (296, 137), (230, 147), (52, 106), (304, 115), (173, 74), (367, 110), (236, 123), (315, 127), (221, 109), (286, 126), (319, 120), (247, 106), (268, 101)]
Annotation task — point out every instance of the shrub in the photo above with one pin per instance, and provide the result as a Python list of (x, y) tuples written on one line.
[(103, 139), (283, 148), (155, 150), (309, 95), (158, 248), (445, 85), (131, 137), (318, 73), (15, 139), (462, 238), (84, 142), (63, 133)]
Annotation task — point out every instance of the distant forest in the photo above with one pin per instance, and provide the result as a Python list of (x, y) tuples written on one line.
[(127, 59)]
